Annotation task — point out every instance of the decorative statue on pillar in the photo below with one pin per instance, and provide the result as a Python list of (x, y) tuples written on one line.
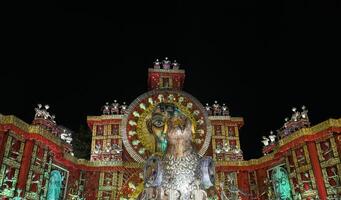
[(106, 109), (157, 64), (114, 109), (281, 184), (175, 65), (166, 63), (55, 185), (208, 109), (176, 171)]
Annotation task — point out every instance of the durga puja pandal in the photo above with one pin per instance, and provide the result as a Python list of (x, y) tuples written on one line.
[(166, 145)]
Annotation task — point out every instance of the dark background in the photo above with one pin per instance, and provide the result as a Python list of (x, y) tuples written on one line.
[(261, 57)]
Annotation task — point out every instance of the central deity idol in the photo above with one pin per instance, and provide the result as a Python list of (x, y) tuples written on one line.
[(176, 171)]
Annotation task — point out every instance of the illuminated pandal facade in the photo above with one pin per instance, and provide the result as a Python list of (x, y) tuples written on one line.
[(129, 155)]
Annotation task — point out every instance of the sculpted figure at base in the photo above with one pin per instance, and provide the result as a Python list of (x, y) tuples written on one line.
[(176, 171), (55, 184), (281, 184)]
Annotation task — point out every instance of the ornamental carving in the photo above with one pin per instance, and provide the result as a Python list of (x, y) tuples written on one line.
[(137, 123)]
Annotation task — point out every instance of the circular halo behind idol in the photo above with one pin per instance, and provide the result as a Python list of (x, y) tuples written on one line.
[(137, 139)]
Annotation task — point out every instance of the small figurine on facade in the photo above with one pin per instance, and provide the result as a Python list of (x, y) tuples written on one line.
[(108, 148), (39, 112), (272, 137), (237, 151), (46, 113), (106, 109), (171, 98), (175, 65), (208, 109), (114, 109), (97, 148), (42, 113), (166, 63), (123, 108), (157, 64), (304, 113), (295, 115), (53, 117), (63, 135), (116, 149), (225, 110), (265, 141), (160, 98), (216, 108)]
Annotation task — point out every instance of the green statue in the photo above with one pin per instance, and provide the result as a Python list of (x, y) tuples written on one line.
[(55, 185), (281, 184)]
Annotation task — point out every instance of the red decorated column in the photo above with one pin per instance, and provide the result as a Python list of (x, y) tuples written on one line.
[(262, 187), (243, 183), (25, 164), (3, 141), (91, 184), (317, 170)]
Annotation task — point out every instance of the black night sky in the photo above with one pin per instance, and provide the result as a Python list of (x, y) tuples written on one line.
[(261, 57)]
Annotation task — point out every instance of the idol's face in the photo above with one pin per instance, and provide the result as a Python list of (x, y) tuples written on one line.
[(179, 127), (158, 122), (160, 116)]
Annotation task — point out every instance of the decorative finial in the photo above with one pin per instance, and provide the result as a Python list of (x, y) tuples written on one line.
[(175, 65), (272, 137), (166, 63), (157, 64)]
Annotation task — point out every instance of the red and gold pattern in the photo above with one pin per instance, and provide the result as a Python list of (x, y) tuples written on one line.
[(28, 152)]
